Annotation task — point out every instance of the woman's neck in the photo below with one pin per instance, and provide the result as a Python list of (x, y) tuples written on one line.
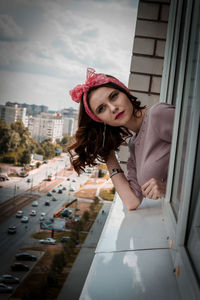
[(136, 122)]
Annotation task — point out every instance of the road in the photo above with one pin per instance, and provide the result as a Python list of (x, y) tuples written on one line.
[(18, 185), (10, 244)]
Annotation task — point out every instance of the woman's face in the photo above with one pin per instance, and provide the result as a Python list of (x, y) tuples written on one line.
[(111, 106)]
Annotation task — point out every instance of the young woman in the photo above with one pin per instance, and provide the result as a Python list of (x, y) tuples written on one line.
[(109, 114)]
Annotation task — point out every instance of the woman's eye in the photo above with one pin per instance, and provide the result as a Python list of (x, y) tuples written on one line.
[(100, 109), (114, 95)]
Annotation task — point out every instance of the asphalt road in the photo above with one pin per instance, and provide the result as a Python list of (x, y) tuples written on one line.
[(18, 185), (10, 244)]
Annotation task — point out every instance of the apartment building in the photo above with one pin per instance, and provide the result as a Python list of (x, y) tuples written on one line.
[(12, 113), (31, 109), (45, 126), (70, 120)]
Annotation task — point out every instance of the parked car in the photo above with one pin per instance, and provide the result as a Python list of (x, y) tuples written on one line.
[(73, 180), (25, 256), (68, 179), (23, 174), (6, 278), (12, 229), (19, 267), (72, 189), (28, 180), (33, 213), (35, 203), (19, 214), (49, 194), (54, 199), (42, 216), (64, 188), (5, 288), (47, 203), (24, 219), (60, 191), (66, 213), (4, 177), (65, 239), (54, 191), (49, 241)]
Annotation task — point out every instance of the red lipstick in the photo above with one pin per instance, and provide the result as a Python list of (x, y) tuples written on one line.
[(118, 116)]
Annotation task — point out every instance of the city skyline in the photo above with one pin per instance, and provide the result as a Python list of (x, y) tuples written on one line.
[(46, 47)]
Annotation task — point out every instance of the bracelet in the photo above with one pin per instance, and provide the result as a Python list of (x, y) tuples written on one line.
[(116, 171)]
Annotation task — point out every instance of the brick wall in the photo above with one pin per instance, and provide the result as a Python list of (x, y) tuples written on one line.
[(148, 50)]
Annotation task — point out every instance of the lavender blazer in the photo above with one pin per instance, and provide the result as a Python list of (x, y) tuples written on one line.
[(150, 149)]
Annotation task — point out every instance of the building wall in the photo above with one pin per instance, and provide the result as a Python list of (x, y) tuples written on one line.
[(46, 126), (147, 55), (148, 50), (13, 113)]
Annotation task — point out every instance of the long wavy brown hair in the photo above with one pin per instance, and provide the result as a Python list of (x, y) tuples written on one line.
[(88, 146)]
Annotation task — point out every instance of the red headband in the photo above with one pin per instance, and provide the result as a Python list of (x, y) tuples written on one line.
[(92, 79)]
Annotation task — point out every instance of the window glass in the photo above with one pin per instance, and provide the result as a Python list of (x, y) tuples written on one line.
[(193, 236), (187, 112)]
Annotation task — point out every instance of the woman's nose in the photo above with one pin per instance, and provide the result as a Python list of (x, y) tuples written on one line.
[(113, 108)]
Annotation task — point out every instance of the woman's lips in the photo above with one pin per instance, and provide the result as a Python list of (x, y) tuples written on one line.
[(119, 115)]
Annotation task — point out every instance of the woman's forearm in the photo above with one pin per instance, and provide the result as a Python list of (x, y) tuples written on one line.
[(121, 184)]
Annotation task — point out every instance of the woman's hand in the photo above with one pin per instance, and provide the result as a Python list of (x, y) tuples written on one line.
[(154, 189)]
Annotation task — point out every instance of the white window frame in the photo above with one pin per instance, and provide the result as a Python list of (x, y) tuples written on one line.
[(177, 227)]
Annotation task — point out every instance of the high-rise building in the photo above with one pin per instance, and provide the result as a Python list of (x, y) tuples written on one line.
[(12, 113), (31, 109), (70, 120), (45, 126)]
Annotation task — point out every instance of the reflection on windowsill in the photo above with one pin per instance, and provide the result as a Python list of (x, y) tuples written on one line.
[(133, 230)]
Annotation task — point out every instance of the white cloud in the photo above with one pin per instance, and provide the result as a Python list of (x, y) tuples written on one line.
[(35, 89), (68, 37), (8, 28)]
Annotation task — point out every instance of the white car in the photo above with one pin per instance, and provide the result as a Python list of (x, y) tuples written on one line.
[(24, 219), (19, 214), (12, 229), (42, 216), (35, 203), (72, 189), (33, 213), (48, 241)]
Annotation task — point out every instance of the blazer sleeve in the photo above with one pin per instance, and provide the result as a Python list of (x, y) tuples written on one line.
[(132, 177), (163, 121)]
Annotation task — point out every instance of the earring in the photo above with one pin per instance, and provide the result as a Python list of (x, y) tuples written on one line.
[(104, 135)]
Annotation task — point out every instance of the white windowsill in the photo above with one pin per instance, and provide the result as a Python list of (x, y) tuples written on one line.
[(132, 259)]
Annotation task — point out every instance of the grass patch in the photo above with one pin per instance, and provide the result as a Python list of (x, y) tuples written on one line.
[(57, 235), (42, 234), (107, 194), (86, 193)]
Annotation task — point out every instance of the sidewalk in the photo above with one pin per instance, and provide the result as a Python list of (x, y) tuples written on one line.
[(73, 285)]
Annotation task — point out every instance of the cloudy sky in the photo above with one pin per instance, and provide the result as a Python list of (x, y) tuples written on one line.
[(46, 46)]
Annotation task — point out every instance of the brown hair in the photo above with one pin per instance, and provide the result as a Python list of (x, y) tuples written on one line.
[(88, 146)]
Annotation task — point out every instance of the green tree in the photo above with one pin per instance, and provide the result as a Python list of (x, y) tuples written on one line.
[(25, 139), (58, 262), (86, 215), (66, 141), (25, 157), (9, 139), (49, 148)]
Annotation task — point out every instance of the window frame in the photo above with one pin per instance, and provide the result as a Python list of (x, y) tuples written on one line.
[(177, 226)]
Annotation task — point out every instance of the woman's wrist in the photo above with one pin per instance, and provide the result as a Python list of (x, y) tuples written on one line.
[(112, 162), (116, 171)]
